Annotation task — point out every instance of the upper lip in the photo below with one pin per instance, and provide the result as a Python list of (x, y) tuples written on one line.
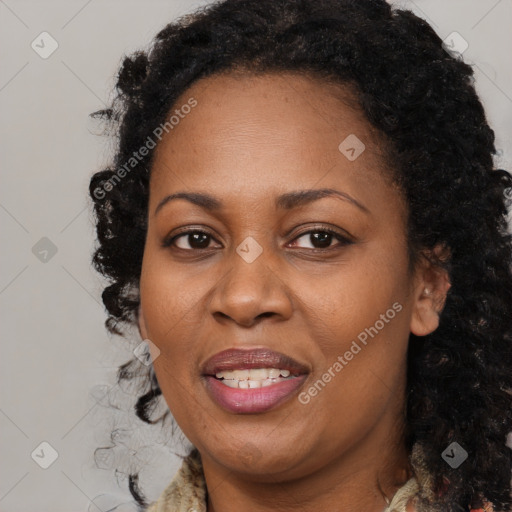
[(245, 359)]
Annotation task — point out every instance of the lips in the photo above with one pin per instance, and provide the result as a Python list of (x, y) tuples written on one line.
[(252, 400), (237, 359)]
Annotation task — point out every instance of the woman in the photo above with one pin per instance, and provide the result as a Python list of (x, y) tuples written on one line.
[(304, 221)]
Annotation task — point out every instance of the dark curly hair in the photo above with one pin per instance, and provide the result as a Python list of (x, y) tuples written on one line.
[(439, 144)]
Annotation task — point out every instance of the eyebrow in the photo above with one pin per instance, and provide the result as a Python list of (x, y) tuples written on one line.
[(285, 201)]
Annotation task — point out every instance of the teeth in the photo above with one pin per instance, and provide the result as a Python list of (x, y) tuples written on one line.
[(250, 384), (231, 383), (254, 378), (238, 375), (253, 374), (258, 374)]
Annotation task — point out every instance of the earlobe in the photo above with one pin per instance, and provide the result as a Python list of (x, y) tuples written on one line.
[(430, 297), (425, 317)]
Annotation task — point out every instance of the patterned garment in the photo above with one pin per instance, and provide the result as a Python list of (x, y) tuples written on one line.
[(187, 491)]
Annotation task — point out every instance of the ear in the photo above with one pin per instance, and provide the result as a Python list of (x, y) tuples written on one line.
[(430, 291), (142, 324)]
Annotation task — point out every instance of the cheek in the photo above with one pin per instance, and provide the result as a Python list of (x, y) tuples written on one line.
[(165, 305), (180, 395), (359, 333), (168, 296), (168, 310), (349, 299), (357, 316)]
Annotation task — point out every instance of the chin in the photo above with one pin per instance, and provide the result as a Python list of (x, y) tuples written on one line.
[(270, 462)]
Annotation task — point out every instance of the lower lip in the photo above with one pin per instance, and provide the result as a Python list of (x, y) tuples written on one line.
[(247, 401)]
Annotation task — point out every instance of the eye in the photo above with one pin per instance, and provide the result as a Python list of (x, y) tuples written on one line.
[(322, 238), (190, 240)]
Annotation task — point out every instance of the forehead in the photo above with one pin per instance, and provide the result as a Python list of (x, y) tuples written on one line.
[(283, 105), (246, 128)]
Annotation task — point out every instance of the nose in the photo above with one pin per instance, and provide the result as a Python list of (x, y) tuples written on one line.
[(249, 292)]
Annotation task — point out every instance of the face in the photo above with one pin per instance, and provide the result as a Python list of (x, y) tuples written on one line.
[(258, 268)]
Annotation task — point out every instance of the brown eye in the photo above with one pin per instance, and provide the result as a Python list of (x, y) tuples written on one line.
[(190, 240), (322, 238)]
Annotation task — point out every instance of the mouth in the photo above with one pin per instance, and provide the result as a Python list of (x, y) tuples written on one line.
[(252, 381)]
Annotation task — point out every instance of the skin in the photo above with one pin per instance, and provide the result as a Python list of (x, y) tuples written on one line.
[(250, 139)]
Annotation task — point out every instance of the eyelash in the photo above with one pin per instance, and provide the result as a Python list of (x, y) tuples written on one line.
[(343, 240)]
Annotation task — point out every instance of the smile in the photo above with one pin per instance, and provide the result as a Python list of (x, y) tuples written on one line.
[(252, 381)]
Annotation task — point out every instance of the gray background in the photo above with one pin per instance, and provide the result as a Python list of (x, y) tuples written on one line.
[(57, 360)]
